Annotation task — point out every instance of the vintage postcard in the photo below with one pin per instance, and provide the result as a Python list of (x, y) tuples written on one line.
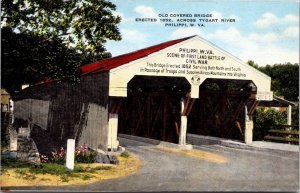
[(150, 95)]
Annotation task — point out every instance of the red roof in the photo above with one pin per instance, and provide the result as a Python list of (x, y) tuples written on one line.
[(117, 61)]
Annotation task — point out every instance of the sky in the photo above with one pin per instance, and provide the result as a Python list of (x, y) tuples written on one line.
[(266, 32)]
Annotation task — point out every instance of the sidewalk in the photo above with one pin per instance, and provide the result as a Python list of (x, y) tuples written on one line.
[(256, 145), (279, 146), (200, 140)]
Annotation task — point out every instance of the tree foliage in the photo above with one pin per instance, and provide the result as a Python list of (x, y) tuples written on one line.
[(49, 39), (264, 118), (252, 63), (284, 82), (295, 115), (30, 59), (284, 79), (84, 24)]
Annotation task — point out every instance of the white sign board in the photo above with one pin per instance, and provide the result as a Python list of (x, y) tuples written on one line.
[(195, 59)]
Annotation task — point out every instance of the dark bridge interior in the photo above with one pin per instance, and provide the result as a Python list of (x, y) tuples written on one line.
[(220, 109), (153, 107)]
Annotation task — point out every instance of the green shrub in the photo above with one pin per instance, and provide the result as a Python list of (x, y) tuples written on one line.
[(58, 157), (85, 155), (124, 154), (50, 168), (88, 156), (21, 172), (82, 155), (78, 168), (4, 131), (14, 163), (264, 119), (86, 177), (28, 170), (64, 178), (102, 168), (295, 115), (25, 174)]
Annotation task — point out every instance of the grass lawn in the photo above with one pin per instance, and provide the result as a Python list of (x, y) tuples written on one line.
[(16, 173)]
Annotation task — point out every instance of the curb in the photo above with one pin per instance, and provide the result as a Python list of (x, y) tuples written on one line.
[(200, 140), (208, 140), (156, 142)]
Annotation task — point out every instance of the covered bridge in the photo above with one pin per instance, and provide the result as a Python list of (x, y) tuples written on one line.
[(160, 92)]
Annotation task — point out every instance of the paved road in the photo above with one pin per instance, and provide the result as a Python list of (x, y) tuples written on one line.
[(246, 171)]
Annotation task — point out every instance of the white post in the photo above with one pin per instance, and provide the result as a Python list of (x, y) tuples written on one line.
[(13, 138), (182, 132), (248, 134), (289, 115), (112, 142), (70, 154), (183, 125), (183, 129)]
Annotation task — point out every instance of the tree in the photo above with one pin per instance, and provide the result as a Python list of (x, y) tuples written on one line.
[(251, 63), (49, 39), (284, 79), (26, 60), (264, 118), (85, 25)]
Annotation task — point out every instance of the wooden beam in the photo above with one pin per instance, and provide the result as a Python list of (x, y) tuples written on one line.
[(238, 110), (165, 117), (190, 107), (125, 109), (284, 125), (148, 126), (140, 118), (236, 114), (177, 128), (229, 106), (157, 113), (113, 108), (238, 125), (268, 137), (284, 132), (186, 104), (120, 101), (228, 93), (151, 94), (252, 96), (253, 107)]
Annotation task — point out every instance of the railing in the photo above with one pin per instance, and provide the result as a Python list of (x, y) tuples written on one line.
[(284, 133)]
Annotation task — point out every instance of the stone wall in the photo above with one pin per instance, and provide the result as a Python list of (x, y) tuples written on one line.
[(27, 150)]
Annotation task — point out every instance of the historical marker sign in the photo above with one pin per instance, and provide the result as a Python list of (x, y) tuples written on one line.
[(196, 60)]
